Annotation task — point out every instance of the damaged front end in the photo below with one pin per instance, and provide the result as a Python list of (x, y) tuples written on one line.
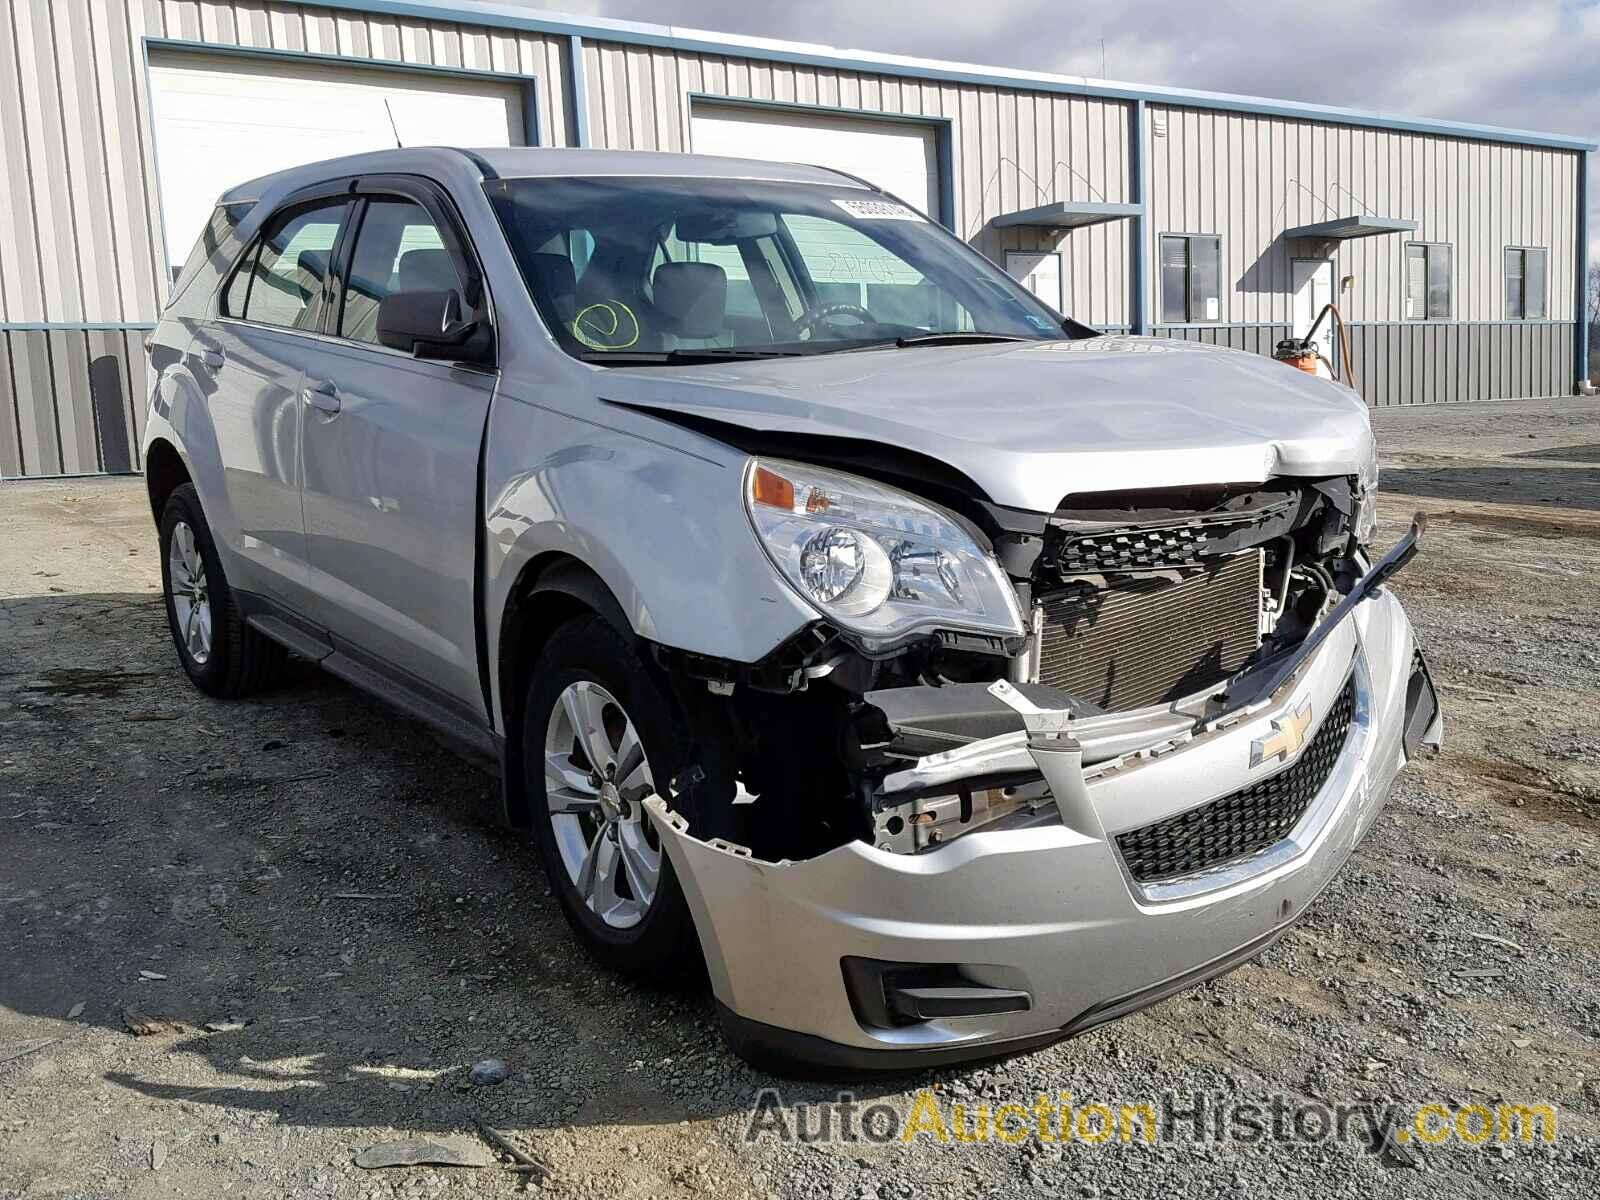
[(1132, 611), (971, 842)]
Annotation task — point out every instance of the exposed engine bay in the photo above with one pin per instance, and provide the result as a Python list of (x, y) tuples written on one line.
[(1132, 601)]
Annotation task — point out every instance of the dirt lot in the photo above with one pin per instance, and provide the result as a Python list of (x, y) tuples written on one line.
[(302, 896)]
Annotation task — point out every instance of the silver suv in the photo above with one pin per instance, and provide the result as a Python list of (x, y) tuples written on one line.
[(945, 676)]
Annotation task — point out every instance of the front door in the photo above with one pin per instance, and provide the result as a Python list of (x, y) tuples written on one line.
[(1313, 291), (390, 451)]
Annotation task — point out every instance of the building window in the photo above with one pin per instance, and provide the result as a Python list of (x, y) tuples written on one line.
[(1427, 281), (1191, 278), (1526, 272)]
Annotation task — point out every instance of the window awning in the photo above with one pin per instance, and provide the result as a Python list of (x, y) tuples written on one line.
[(1342, 229), (1068, 214)]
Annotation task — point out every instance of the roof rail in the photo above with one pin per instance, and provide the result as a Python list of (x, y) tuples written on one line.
[(478, 161)]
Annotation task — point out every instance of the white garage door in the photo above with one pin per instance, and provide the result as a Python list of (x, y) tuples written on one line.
[(899, 156), (220, 121)]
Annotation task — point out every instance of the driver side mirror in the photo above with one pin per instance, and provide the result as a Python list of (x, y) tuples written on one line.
[(430, 325)]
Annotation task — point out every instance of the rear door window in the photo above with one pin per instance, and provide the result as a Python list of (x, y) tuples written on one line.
[(283, 276)]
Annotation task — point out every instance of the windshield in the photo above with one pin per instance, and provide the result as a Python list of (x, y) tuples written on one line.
[(624, 268)]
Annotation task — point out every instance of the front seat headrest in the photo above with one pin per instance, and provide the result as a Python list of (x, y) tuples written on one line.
[(692, 297), (313, 263)]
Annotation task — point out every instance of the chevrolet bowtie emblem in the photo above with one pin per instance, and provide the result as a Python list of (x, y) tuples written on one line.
[(1287, 736)]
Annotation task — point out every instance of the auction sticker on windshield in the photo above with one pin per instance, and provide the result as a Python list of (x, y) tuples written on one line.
[(878, 210)]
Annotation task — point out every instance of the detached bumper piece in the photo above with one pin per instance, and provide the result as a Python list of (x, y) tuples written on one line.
[(1424, 722)]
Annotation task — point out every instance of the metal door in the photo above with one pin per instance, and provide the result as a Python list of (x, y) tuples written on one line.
[(1313, 291)]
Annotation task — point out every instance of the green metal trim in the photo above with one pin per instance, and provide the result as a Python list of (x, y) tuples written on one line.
[(1139, 227), (1580, 301), (579, 91)]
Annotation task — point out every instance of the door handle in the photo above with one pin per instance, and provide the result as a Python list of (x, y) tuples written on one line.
[(211, 358), (323, 397)]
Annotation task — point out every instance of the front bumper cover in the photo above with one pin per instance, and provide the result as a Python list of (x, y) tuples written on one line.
[(1049, 910)]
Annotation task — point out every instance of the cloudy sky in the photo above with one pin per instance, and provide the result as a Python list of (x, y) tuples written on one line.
[(1529, 64)]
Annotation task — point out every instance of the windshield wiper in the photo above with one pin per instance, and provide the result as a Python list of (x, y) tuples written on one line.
[(710, 354), (957, 338), (704, 354)]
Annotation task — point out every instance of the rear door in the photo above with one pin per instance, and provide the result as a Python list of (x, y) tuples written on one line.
[(390, 448), (249, 361)]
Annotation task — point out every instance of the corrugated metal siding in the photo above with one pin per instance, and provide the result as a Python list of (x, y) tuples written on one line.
[(1429, 362), (1258, 339), (80, 233), (71, 401), (1249, 178), (78, 211), (80, 240), (1010, 149)]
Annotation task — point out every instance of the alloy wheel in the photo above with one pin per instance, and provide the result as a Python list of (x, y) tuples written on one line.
[(191, 599), (596, 780)]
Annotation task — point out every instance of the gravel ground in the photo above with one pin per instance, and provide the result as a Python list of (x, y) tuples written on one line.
[(300, 902)]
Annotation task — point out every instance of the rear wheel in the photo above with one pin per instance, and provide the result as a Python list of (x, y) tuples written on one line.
[(220, 653), (599, 737)]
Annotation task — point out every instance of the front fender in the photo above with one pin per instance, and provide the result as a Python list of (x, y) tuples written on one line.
[(662, 525)]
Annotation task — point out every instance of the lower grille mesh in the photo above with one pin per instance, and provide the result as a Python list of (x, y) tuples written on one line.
[(1147, 641), (1246, 822)]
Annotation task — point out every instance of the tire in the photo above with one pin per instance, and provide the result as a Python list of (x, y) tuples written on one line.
[(222, 655), (588, 667)]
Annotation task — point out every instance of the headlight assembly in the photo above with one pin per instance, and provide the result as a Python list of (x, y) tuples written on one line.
[(877, 562)]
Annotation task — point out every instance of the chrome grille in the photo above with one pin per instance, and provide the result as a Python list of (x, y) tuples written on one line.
[(1245, 822), (1145, 641)]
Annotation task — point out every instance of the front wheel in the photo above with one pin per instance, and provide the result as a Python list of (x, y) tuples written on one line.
[(599, 737)]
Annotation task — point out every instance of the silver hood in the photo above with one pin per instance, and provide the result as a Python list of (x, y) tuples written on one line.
[(1031, 422)]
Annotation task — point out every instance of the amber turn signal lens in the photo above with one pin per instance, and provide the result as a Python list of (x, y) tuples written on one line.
[(773, 490)]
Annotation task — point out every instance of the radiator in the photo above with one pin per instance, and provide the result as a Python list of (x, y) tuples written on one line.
[(1145, 641)]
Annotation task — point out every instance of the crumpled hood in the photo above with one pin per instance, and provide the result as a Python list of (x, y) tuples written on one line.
[(1031, 422)]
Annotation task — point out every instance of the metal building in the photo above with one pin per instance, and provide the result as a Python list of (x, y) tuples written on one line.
[(1456, 252)]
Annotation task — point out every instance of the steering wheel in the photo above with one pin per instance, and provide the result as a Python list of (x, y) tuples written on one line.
[(807, 322)]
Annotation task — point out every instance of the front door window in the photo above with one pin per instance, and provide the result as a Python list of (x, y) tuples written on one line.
[(398, 249)]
